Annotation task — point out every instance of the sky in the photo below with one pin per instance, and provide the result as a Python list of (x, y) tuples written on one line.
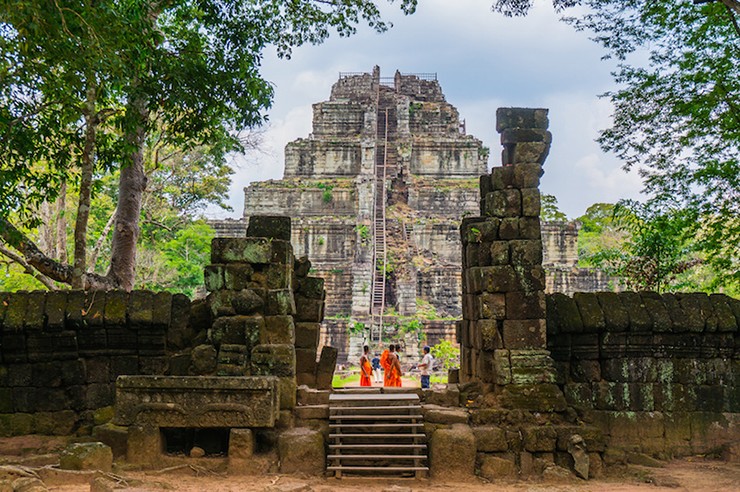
[(483, 61)]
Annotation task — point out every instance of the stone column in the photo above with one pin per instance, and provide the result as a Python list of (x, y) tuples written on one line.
[(503, 330)]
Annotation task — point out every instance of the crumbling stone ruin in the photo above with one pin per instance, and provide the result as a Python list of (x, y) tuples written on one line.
[(387, 173), (549, 385)]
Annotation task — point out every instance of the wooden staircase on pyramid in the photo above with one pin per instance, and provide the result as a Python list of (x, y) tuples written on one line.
[(374, 434)]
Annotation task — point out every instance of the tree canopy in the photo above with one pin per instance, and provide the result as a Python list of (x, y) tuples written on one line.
[(88, 87), (676, 115)]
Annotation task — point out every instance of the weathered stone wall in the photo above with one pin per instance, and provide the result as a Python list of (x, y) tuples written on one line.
[(447, 157), (61, 352), (655, 372)]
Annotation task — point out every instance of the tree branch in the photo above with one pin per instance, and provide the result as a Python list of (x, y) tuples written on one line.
[(48, 283), (99, 243), (54, 270)]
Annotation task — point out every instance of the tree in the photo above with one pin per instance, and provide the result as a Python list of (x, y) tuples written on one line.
[(550, 211), (87, 86), (676, 118), (656, 250)]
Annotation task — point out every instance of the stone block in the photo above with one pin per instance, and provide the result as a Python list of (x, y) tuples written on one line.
[(35, 317), (509, 228), (274, 360), (445, 397), (14, 348), (281, 302), (520, 305), (307, 335), (501, 178), (233, 355), (302, 266), (279, 276), (241, 250), (242, 444), (54, 309), (521, 118), (310, 396), (499, 253), (531, 202), (311, 287), (113, 436), (87, 456), (492, 306), (498, 467), (287, 387), (530, 228), (590, 310), (15, 312), (616, 315), (524, 334), (305, 360), (527, 175), (277, 330), (301, 450), (325, 368), (238, 276), (502, 367), (721, 304), (203, 359), (490, 335), (452, 453), (228, 330), (639, 318), (656, 308), (490, 439), (219, 303), (140, 308), (567, 313), (144, 446), (166, 401), (491, 279), (504, 203), (539, 438), (247, 301), (213, 277), (528, 152), (525, 252), (444, 415), (269, 226), (545, 397)]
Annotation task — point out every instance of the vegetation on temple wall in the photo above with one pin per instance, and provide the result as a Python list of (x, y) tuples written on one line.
[(87, 88)]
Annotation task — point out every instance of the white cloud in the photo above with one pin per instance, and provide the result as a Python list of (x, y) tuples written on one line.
[(483, 61)]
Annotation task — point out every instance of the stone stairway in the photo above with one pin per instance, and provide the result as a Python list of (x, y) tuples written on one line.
[(374, 434)]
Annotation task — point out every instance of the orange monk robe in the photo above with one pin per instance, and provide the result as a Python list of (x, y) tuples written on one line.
[(366, 370), (384, 363), (393, 373)]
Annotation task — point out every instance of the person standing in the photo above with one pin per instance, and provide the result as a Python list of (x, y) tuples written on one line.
[(426, 365), (378, 376), (393, 371), (365, 367)]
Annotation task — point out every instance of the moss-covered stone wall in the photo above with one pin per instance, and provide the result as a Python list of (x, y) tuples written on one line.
[(61, 352), (656, 372)]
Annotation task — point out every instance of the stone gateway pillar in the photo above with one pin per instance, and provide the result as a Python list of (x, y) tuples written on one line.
[(503, 331)]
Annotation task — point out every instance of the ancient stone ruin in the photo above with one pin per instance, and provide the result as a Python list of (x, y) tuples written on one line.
[(549, 385), (376, 193)]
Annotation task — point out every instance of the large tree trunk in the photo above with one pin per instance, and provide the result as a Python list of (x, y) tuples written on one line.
[(132, 184), (79, 265)]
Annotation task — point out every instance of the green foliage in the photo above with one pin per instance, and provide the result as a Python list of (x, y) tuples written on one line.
[(550, 211), (86, 86), (356, 328), (414, 107), (446, 354), (320, 241), (676, 118), (364, 231), (598, 232), (655, 253), (411, 327), (187, 254)]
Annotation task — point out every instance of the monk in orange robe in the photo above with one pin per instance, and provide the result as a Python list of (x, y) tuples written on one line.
[(393, 370), (366, 369)]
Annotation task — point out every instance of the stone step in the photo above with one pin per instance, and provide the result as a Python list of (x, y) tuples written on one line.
[(377, 468), (377, 456), (378, 446), (377, 407), (368, 435), (364, 425), (375, 417)]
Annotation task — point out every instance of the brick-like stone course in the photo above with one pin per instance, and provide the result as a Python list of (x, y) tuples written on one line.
[(647, 365)]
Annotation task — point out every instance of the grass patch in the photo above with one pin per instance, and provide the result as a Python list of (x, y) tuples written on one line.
[(350, 376)]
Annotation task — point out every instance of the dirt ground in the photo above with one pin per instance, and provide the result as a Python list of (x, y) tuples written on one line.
[(34, 456)]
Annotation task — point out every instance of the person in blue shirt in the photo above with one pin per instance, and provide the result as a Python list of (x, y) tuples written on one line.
[(376, 369)]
